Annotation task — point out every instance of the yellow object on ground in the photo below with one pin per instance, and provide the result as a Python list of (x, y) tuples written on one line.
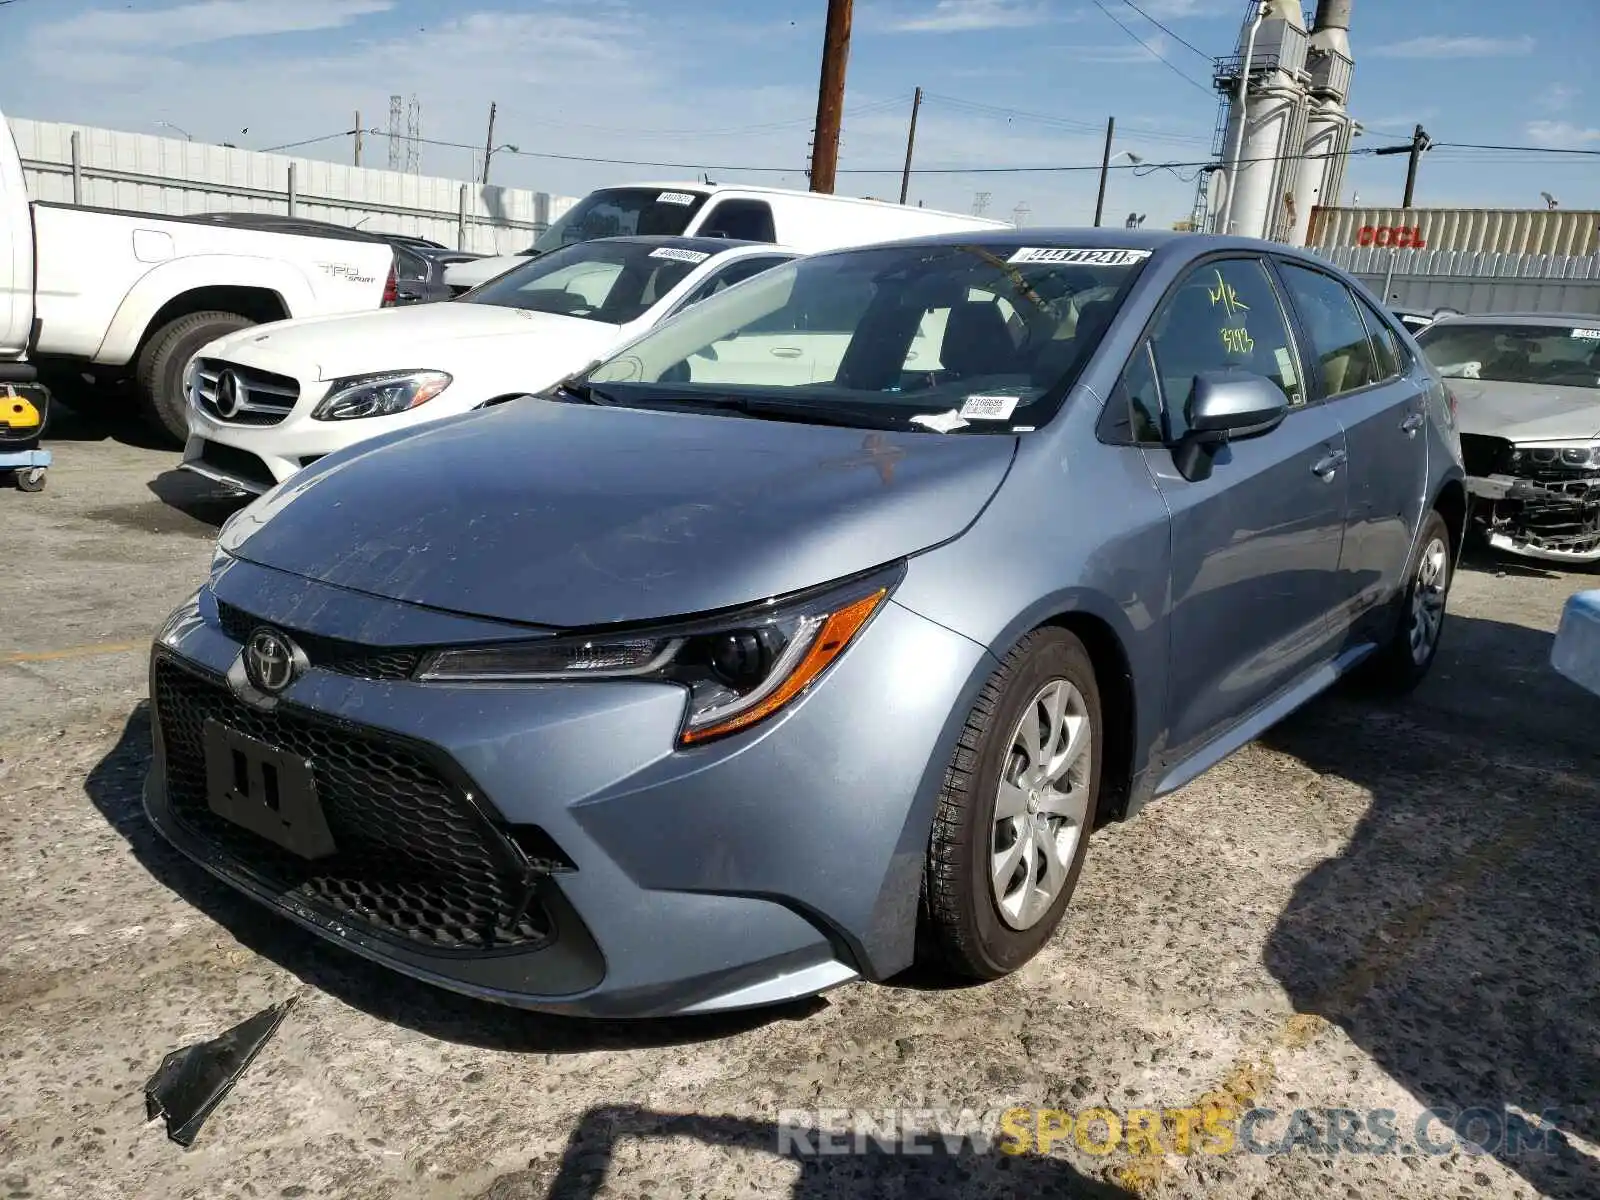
[(18, 412)]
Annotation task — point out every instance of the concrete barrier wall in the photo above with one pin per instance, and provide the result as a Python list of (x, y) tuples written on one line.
[(102, 168)]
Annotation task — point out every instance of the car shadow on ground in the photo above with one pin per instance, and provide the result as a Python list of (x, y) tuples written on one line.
[(123, 423), (196, 496), (115, 786), (1455, 938), (923, 1168)]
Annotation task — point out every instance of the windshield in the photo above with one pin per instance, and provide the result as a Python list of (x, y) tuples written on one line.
[(940, 337), (1564, 354), (614, 281), (621, 212)]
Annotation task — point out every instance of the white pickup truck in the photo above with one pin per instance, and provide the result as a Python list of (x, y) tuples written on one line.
[(130, 297)]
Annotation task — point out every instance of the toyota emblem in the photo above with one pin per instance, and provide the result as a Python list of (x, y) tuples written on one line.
[(271, 661), (230, 394)]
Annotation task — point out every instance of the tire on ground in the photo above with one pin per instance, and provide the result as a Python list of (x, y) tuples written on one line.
[(963, 931), (1393, 669), (159, 373)]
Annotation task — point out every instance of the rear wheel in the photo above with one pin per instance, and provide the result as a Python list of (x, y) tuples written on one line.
[(1015, 812), (161, 364), (1404, 660)]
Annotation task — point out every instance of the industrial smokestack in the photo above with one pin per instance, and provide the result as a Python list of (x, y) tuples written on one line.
[(1327, 138), (1331, 14), (1266, 120)]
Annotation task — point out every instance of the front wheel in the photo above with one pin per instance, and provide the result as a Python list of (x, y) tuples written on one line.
[(1016, 809)]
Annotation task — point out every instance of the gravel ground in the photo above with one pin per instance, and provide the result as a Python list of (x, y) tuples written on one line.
[(1372, 908)]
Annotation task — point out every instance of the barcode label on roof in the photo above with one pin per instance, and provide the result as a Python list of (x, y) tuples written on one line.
[(1078, 258)]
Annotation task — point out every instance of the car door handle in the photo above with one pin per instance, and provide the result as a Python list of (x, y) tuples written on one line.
[(785, 352), (1329, 463), (1411, 424)]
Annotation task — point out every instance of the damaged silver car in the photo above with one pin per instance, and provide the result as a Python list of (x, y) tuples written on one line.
[(1528, 392)]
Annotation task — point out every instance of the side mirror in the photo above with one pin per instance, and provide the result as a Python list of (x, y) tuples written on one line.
[(1226, 406)]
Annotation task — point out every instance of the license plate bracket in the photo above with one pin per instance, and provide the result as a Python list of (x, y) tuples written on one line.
[(271, 792)]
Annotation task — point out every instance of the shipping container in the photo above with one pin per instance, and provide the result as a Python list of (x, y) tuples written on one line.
[(1519, 231)]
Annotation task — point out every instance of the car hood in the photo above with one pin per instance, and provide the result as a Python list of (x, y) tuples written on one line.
[(569, 515), (1526, 412), (480, 270), (427, 337)]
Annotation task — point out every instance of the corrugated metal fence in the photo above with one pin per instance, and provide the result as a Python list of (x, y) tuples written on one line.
[(1473, 282), (77, 164), (1521, 231)]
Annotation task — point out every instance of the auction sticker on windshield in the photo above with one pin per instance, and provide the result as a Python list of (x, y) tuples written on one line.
[(1081, 258), (1587, 335), (675, 198), (989, 408), (688, 256)]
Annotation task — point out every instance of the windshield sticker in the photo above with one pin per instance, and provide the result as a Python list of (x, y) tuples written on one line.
[(688, 256), (989, 408), (945, 422), (1080, 258), (1285, 366), (1587, 335), (675, 198)]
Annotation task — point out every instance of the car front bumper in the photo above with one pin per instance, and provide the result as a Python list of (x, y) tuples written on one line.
[(1549, 521), (763, 867)]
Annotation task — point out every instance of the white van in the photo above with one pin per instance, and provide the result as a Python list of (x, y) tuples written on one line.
[(807, 221)]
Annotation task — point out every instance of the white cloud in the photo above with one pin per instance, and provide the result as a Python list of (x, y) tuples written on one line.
[(959, 16), (1562, 135), (1129, 53), (206, 21), (1558, 97), (1189, 8), (1446, 46)]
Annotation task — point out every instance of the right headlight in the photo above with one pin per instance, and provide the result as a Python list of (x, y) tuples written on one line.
[(739, 669), (379, 395)]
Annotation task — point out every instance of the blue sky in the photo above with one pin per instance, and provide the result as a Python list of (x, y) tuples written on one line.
[(730, 85)]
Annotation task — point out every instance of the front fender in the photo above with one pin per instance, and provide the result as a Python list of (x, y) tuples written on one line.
[(164, 283)]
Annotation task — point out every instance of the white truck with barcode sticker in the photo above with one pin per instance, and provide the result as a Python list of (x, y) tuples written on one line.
[(90, 292)]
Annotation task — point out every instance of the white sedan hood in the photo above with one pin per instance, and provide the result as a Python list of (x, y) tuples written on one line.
[(458, 338)]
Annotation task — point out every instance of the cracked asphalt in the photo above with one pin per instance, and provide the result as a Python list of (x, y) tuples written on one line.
[(1373, 908)]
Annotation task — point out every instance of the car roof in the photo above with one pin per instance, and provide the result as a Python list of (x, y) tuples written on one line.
[(1585, 320), (706, 245), (712, 189)]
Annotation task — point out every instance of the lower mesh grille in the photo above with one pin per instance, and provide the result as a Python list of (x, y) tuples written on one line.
[(416, 861)]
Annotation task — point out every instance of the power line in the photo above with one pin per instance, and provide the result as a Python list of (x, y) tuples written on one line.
[(327, 137), (1168, 32), (1518, 149), (1176, 70), (1058, 122)]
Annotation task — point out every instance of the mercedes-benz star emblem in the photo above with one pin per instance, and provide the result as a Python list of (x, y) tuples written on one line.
[(230, 394), (270, 661)]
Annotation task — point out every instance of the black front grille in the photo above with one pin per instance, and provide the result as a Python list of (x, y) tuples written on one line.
[(416, 860), (1482, 455), (236, 463), (331, 654)]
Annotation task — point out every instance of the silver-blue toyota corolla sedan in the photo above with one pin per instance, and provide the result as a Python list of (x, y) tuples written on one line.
[(815, 629)]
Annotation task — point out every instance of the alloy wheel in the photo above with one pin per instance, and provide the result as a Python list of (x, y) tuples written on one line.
[(1041, 804), (1428, 600)]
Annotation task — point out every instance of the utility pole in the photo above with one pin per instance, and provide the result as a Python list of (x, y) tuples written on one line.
[(1420, 142), (488, 143), (830, 96), (358, 137), (1105, 169), (911, 142)]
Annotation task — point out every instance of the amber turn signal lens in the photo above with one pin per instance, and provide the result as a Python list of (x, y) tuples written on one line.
[(836, 633)]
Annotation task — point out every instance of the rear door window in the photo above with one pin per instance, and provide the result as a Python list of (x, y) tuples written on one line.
[(1343, 353)]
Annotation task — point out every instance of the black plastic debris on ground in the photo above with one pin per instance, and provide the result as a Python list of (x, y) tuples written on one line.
[(191, 1082)]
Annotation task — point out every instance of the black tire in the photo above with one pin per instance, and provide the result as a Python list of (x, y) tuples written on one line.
[(964, 930), (159, 372), (1397, 668)]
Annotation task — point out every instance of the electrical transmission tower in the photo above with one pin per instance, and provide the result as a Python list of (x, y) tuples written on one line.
[(1019, 214), (396, 103), (414, 137), (980, 203)]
